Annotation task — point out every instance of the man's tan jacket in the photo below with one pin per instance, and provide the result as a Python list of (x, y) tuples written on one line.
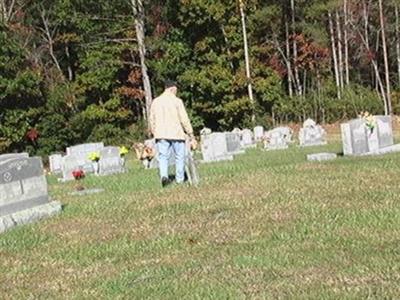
[(168, 118)]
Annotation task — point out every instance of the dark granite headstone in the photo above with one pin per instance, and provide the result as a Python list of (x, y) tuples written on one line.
[(22, 185)]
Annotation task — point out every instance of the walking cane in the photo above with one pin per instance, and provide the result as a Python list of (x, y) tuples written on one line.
[(190, 165)]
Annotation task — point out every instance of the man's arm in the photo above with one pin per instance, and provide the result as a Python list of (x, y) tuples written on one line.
[(184, 119)]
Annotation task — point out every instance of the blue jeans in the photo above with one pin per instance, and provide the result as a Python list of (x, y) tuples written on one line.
[(164, 153)]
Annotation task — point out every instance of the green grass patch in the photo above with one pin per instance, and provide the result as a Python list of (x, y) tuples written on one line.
[(266, 225)]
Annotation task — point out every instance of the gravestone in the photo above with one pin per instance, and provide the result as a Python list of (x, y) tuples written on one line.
[(233, 144), (384, 131), (358, 139), (359, 136), (78, 158), (321, 156), (258, 133), (346, 139), (276, 141), (23, 192), (247, 138), (72, 163), (214, 147), (55, 162), (7, 156), (84, 149), (311, 134), (110, 161)]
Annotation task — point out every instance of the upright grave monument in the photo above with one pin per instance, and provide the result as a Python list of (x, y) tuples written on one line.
[(233, 143), (373, 136), (214, 147), (110, 161), (247, 139), (258, 133), (312, 134), (23, 192), (278, 138)]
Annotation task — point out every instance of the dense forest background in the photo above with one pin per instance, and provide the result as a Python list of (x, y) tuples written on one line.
[(85, 70)]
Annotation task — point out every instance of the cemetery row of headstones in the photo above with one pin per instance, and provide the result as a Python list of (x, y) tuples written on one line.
[(23, 191), (78, 158)]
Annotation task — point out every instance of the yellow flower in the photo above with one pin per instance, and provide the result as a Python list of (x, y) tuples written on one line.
[(94, 156), (123, 150)]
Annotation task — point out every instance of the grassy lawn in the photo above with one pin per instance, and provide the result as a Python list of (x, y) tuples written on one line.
[(267, 225)]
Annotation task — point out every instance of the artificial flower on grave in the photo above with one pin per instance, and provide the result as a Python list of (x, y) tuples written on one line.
[(123, 151), (370, 121), (78, 174), (94, 156)]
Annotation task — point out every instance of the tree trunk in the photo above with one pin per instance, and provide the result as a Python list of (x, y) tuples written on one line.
[(346, 43), (247, 60), (385, 58), (295, 56), (334, 55), (397, 41), (48, 37), (3, 11), (288, 62), (339, 49), (70, 72), (138, 13)]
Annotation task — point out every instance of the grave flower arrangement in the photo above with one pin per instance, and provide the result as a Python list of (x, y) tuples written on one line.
[(123, 151), (370, 121), (94, 156), (78, 175)]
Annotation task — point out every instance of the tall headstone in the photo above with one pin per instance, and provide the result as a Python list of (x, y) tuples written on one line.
[(258, 133), (214, 147), (346, 139), (110, 161), (23, 192), (311, 134)]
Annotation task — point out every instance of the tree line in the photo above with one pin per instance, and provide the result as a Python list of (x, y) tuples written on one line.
[(82, 70)]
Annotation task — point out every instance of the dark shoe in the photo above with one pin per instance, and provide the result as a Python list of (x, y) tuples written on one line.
[(165, 181)]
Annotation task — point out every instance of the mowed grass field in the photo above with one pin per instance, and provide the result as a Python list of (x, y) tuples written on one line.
[(268, 225)]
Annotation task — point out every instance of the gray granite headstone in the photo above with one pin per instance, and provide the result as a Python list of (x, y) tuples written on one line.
[(233, 144), (384, 131), (8, 156), (258, 133), (359, 136), (214, 147), (72, 163), (247, 138), (358, 139), (55, 161), (110, 161), (23, 186), (311, 134), (84, 149), (276, 141), (346, 139)]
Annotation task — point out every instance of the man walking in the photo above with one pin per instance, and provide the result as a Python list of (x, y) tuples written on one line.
[(168, 123)]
